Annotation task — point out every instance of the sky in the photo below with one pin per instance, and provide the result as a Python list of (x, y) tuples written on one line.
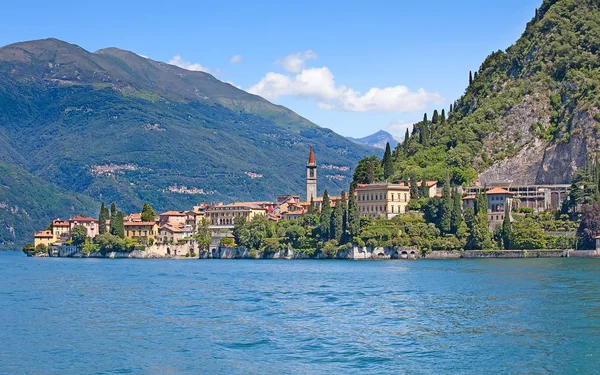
[(355, 67)]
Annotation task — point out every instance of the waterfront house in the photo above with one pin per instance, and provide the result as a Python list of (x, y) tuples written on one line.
[(90, 224), (44, 237), (172, 217), (141, 229), (498, 199), (59, 228), (173, 233), (382, 200), (469, 202)]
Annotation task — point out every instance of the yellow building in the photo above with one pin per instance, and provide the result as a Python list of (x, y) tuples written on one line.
[(141, 229), (59, 227), (382, 200), (172, 233), (44, 237), (224, 215)]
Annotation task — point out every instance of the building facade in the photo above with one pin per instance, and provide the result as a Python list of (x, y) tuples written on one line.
[(382, 200), (141, 229), (44, 237), (90, 224), (60, 228)]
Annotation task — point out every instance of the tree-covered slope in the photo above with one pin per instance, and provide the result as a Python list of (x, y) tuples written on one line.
[(120, 127), (28, 204), (530, 114)]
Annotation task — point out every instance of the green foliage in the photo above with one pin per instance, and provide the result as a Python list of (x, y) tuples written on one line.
[(226, 241), (325, 218), (526, 234), (388, 166), (446, 209), (108, 243), (78, 235), (203, 236), (117, 225), (148, 213), (337, 219), (102, 219), (353, 226)]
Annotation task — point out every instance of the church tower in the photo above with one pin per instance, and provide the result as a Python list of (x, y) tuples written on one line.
[(311, 177)]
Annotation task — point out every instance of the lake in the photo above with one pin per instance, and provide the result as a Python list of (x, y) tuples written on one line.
[(121, 316)]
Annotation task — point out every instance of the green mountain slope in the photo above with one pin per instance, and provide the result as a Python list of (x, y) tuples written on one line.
[(530, 114), (119, 127), (28, 204)]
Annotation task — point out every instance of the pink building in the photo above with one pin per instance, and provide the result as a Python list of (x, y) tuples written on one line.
[(90, 224)]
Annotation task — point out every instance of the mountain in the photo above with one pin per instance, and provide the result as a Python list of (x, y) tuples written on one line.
[(115, 126), (531, 114), (377, 140)]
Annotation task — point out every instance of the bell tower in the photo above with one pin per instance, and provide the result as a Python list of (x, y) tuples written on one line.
[(311, 177)]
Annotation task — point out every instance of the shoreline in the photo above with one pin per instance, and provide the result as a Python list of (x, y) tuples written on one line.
[(349, 254)]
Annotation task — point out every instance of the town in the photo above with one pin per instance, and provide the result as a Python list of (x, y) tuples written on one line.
[(337, 220)]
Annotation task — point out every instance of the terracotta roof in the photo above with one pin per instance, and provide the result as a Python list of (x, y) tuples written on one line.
[(174, 229), (84, 219), (499, 191), (172, 213), (60, 223), (311, 156), (469, 197), (43, 234), (429, 183), (134, 223)]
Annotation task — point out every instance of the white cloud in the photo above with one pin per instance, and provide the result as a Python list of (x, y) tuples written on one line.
[(319, 84), (399, 127), (177, 60), (296, 62), (236, 59)]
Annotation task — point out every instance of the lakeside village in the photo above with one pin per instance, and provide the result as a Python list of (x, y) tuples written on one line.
[(410, 219)]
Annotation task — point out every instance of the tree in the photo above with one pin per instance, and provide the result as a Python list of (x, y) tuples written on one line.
[(414, 188), (109, 242), (353, 215), (435, 118), (526, 234), (443, 116), (113, 209), (424, 130), (424, 188), (506, 228), (388, 166), (102, 218), (589, 227), (475, 76), (312, 209), (203, 236), (148, 213), (240, 230), (337, 221), (344, 203), (406, 138), (325, 219), (371, 172), (457, 218), (117, 226), (450, 111), (78, 235), (470, 78), (446, 209)]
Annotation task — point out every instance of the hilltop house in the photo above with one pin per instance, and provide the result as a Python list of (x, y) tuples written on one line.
[(90, 224), (382, 200)]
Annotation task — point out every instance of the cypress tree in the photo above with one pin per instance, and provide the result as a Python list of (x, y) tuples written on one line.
[(353, 216), (337, 221), (481, 237), (470, 78), (424, 188), (446, 214), (113, 218), (148, 213), (451, 110), (443, 116), (120, 227), (371, 172), (457, 217), (475, 76), (506, 228), (345, 217), (425, 131), (113, 209), (102, 219), (435, 118), (325, 218), (406, 138), (388, 166), (414, 188)]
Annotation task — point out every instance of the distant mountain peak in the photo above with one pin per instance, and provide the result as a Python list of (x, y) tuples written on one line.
[(377, 140)]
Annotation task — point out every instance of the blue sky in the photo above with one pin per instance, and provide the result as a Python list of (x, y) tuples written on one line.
[(354, 67)]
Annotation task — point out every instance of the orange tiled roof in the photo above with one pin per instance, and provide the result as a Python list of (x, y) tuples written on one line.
[(134, 223), (173, 228), (84, 219), (172, 213), (43, 234), (60, 223), (469, 197), (429, 183), (499, 191)]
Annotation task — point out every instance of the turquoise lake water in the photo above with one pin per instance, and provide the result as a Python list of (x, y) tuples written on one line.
[(103, 316)]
